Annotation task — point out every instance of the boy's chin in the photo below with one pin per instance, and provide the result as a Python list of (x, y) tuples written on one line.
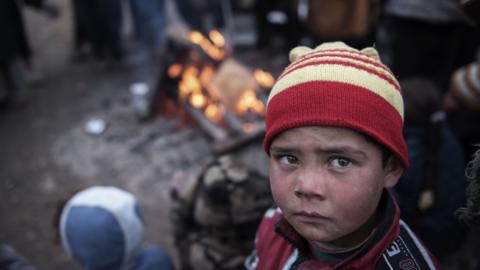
[(314, 233)]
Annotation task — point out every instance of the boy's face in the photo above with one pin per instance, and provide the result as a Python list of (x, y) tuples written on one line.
[(328, 182)]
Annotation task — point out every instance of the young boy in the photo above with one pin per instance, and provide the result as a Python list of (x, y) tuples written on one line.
[(334, 137)]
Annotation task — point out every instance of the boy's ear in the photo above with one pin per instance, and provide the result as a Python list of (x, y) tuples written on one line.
[(393, 170)]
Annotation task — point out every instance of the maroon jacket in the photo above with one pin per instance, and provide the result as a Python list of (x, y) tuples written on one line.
[(393, 246)]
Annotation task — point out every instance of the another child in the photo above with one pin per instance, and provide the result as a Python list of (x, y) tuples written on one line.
[(334, 136), (102, 228)]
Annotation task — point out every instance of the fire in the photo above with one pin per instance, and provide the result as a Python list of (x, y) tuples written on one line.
[(248, 102), (206, 75), (217, 38), (198, 100), (196, 37), (213, 47), (174, 70), (195, 83), (214, 112), (189, 83), (264, 79)]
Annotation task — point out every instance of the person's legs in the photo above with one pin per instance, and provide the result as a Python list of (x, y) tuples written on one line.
[(14, 85)]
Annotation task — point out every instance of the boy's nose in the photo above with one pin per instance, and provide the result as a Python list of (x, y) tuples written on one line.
[(310, 184)]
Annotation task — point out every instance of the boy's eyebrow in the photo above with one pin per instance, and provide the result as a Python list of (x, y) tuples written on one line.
[(343, 149), (331, 150)]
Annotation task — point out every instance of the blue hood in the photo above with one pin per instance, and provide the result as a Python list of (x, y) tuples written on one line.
[(102, 228)]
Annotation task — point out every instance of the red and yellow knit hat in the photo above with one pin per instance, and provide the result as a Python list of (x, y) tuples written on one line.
[(336, 85)]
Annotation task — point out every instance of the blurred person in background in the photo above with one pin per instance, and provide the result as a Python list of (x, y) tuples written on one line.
[(11, 260), (352, 21), (433, 187), (15, 52), (202, 15), (277, 24), (428, 38), (462, 104), (149, 21), (97, 30)]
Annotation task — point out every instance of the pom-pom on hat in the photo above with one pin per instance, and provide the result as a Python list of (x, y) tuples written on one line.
[(337, 85)]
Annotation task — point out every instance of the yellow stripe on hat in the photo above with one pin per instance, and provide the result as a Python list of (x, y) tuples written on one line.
[(342, 74), (346, 56)]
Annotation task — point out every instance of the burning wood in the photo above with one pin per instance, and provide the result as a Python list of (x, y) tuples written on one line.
[(221, 95)]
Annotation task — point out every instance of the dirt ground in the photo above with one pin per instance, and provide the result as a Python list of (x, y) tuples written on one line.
[(46, 153)]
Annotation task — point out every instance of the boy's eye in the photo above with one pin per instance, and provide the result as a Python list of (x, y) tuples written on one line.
[(341, 162), (287, 159)]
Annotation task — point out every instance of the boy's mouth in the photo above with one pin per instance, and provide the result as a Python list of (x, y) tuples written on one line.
[(309, 216)]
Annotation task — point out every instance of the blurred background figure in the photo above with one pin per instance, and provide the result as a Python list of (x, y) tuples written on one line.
[(433, 187), (428, 38), (11, 260), (16, 62), (277, 24), (148, 17), (102, 227), (352, 21), (202, 15), (97, 29), (462, 102)]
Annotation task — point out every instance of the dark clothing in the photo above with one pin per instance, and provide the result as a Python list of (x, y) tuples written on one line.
[(98, 24), (289, 32), (393, 246), (412, 48), (15, 50), (13, 38), (437, 226), (425, 39), (10, 260), (202, 15), (464, 124)]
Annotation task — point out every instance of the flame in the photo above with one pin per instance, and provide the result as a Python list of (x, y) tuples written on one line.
[(216, 53), (214, 112), (189, 83), (198, 100), (174, 70), (206, 75), (248, 102), (191, 71), (195, 82), (196, 37), (263, 78), (216, 38)]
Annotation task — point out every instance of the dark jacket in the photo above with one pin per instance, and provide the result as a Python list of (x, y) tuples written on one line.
[(437, 227)]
